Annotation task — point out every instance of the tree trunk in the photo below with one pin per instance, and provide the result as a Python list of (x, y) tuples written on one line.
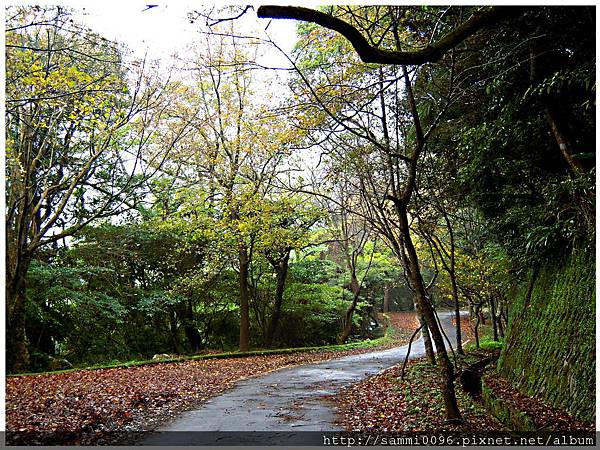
[(426, 336), (500, 328), (499, 320), (555, 121), (191, 331), (459, 348), (386, 298), (452, 272), (445, 365), (17, 355), (493, 315), (282, 270), (355, 288), (476, 330), (244, 297), (564, 143), (173, 329), (411, 265)]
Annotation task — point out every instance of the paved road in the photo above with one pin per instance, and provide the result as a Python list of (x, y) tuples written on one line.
[(283, 402)]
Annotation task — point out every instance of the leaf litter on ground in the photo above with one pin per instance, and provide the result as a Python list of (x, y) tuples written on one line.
[(100, 406), (386, 403)]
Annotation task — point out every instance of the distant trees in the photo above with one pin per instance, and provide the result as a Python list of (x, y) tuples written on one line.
[(137, 267), (78, 131), (234, 157), (153, 285), (287, 228), (349, 235)]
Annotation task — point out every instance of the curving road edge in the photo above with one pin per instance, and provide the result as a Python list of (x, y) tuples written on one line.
[(283, 403)]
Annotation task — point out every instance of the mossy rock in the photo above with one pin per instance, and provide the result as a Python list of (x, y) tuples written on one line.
[(59, 364), (378, 332), (509, 416)]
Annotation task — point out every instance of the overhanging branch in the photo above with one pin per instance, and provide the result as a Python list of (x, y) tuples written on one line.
[(484, 17)]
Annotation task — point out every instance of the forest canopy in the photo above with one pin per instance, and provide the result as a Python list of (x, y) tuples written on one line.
[(412, 157)]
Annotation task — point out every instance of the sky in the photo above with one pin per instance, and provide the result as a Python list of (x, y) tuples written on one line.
[(165, 30)]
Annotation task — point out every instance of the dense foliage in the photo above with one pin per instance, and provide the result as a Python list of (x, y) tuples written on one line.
[(150, 214)]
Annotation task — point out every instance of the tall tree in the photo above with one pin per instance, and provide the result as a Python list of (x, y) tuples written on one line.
[(385, 150), (77, 141), (351, 234), (286, 227), (235, 154)]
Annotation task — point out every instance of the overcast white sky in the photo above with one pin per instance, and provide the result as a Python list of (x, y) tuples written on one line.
[(165, 29)]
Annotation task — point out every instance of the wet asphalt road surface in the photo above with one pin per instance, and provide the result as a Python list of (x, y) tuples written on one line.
[(284, 403)]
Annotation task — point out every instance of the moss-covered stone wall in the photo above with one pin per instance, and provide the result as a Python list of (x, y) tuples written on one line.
[(551, 343), (505, 413)]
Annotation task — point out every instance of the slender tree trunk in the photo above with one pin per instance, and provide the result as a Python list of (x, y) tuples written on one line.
[(191, 331), (17, 355), (451, 269), (173, 329), (459, 348), (555, 121), (493, 315), (386, 298), (282, 271), (355, 288), (499, 320), (476, 330), (244, 300), (562, 140), (445, 365), (500, 327), (408, 352)]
